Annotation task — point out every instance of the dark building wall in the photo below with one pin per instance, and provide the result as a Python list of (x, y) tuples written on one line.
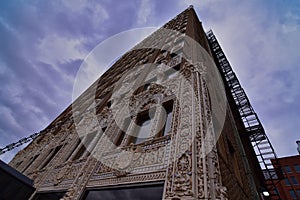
[(232, 167), (14, 185)]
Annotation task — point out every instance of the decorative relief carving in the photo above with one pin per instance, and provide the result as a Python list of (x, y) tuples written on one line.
[(119, 173), (124, 160), (147, 104), (146, 99), (87, 124), (36, 176), (179, 181), (136, 178), (208, 170), (182, 177), (151, 157), (78, 186), (206, 173), (62, 173), (104, 117)]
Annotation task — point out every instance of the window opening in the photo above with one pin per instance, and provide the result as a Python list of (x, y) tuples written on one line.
[(53, 152)]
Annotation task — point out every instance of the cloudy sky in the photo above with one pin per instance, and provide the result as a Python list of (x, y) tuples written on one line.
[(44, 42)]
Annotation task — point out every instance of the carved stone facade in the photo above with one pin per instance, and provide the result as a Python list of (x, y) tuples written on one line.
[(95, 142)]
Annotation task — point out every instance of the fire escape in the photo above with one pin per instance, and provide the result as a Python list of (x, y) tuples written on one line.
[(262, 146)]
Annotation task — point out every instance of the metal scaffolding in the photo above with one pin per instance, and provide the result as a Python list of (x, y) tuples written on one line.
[(262, 146), (19, 143)]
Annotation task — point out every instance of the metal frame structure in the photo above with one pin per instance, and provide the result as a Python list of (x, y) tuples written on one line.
[(262, 146), (19, 143)]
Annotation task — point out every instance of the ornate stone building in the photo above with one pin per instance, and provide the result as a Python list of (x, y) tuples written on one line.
[(156, 125)]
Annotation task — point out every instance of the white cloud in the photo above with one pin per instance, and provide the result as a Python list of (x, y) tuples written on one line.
[(100, 14), (292, 22), (8, 118), (54, 48), (144, 12)]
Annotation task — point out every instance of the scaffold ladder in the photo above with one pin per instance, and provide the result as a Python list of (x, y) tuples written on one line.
[(262, 146)]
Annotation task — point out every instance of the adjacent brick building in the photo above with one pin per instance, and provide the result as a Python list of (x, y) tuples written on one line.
[(289, 187)]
